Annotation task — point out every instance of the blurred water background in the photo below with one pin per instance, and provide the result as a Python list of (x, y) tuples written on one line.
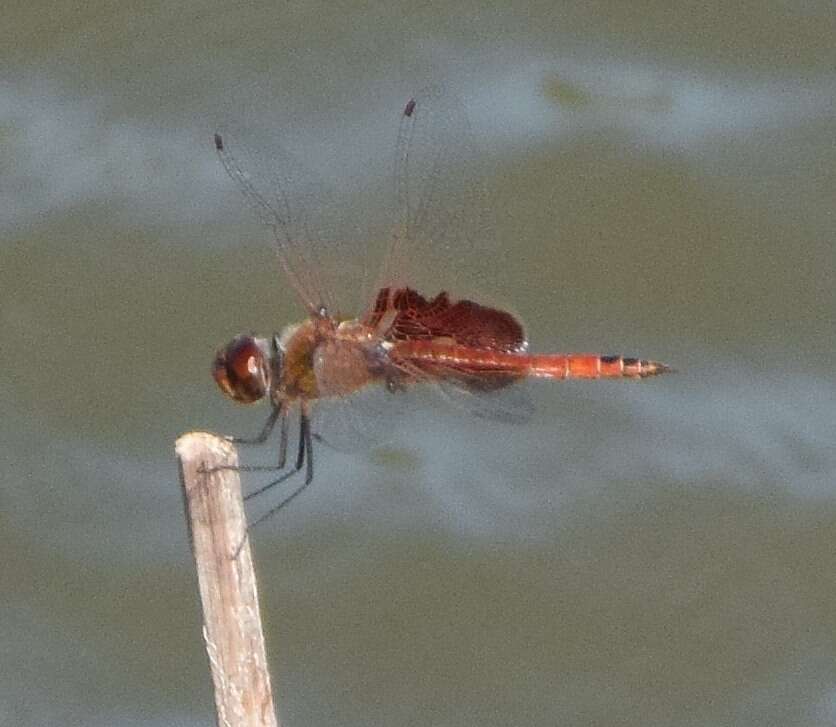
[(663, 184)]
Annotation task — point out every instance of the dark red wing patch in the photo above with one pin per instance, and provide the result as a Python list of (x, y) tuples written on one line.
[(406, 315)]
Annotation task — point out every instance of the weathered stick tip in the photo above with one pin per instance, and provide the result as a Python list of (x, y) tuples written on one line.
[(192, 445)]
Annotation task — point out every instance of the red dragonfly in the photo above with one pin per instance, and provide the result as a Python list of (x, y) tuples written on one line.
[(468, 351)]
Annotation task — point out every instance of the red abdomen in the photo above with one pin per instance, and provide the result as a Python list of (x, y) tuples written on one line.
[(592, 366), (500, 367)]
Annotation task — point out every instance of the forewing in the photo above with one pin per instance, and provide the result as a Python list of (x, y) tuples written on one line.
[(311, 226), (435, 233)]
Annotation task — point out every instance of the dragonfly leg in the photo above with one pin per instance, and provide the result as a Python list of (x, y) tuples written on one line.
[(283, 443), (278, 411), (304, 454), (306, 430)]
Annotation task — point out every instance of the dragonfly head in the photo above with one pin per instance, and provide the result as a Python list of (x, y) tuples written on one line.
[(245, 368)]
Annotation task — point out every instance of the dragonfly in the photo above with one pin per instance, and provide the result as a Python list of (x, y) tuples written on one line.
[(403, 338)]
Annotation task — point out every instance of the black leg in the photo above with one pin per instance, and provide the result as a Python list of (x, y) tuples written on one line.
[(283, 436), (283, 442), (278, 410), (305, 451), (304, 438), (306, 431)]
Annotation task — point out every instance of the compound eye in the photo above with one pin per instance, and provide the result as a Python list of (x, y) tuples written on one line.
[(241, 370)]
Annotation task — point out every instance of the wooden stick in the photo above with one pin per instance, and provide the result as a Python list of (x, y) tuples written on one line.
[(231, 619)]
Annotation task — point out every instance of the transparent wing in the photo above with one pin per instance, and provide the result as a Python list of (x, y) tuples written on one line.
[(376, 415), (511, 405), (311, 225), (369, 418), (435, 232), (443, 234)]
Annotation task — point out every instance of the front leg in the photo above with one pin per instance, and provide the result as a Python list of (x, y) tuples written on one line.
[(278, 411)]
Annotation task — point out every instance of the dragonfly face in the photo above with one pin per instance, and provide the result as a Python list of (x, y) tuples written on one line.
[(244, 368)]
